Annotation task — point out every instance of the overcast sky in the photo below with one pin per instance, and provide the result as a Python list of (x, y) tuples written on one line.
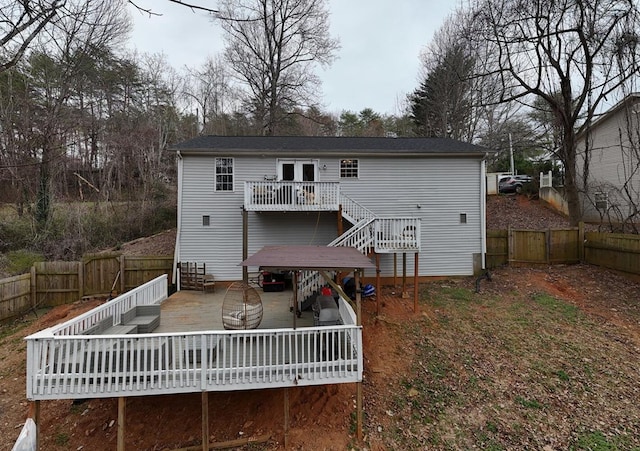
[(377, 65)]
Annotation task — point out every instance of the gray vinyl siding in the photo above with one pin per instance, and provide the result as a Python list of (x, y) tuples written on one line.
[(219, 245), (443, 187), (609, 167)]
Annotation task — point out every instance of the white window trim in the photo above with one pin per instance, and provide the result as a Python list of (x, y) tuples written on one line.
[(233, 175), (296, 161), (340, 169)]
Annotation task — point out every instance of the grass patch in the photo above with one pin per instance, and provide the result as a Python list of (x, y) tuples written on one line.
[(558, 308), (562, 372), (528, 403), (594, 441), (61, 439)]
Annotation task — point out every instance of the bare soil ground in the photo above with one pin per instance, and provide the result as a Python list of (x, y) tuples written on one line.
[(540, 358)]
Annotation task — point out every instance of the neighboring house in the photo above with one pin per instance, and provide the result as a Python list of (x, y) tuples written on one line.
[(612, 189), (386, 195)]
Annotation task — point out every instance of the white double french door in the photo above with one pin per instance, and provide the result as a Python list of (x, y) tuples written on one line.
[(298, 170)]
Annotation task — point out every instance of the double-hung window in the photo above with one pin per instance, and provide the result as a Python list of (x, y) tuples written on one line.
[(224, 174), (348, 169)]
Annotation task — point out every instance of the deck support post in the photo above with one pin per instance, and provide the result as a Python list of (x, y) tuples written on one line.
[(286, 417), (378, 287), (415, 283), (359, 413), (395, 271), (205, 421), (122, 418), (245, 244), (34, 413), (405, 295)]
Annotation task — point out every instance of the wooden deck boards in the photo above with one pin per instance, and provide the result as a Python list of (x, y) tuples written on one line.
[(190, 311)]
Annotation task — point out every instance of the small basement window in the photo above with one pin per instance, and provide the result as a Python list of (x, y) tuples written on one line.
[(206, 221), (463, 218)]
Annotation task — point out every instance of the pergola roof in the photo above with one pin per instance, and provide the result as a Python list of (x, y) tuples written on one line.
[(316, 258)]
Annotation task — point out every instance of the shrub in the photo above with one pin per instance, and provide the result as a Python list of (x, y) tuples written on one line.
[(21, 261)]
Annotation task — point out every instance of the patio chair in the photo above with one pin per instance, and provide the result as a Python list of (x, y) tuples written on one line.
[(242, 307)]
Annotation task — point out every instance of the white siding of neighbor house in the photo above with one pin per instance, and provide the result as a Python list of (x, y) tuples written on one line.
[(609, 168), (443, 188)]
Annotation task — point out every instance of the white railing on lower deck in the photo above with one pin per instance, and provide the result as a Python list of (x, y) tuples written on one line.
[(100, 366), (291, 196), (153, 292)]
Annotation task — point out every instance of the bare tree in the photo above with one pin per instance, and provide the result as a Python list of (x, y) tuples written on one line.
[(20, 23), (443, 103), (209, 89), (560, 52), (451, 100), (273, 46), (54, 72)]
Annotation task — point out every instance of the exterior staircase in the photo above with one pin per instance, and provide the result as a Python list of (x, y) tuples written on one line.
[(369, 233)]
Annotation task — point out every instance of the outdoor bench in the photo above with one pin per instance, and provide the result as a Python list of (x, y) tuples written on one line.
[(145, 317), (106, 327)]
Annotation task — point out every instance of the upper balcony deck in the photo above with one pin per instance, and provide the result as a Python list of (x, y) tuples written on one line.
[(190, 351), (291, 196)]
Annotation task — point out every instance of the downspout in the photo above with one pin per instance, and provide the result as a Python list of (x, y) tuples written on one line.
[(176, 253), (483, 209)]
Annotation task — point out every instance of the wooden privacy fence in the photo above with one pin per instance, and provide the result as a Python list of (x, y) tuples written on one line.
[(55, 283), (15, 295), (551, 246), (613, 250), (563, 246)]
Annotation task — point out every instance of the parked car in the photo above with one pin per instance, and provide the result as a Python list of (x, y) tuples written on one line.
[(510, 185), (523, 178)]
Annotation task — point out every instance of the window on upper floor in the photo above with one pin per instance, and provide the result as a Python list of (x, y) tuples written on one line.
[(224, 174), (348, 169)]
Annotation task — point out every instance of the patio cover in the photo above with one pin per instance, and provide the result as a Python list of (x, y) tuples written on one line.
[(322, 259), (316, 258)]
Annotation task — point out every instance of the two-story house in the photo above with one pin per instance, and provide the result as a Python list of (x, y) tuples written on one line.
[(382, 195)]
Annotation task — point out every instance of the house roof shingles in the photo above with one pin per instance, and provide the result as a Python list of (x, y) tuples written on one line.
[(327, 145)]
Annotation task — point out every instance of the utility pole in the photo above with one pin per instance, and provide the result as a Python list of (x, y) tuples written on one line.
[(513, 169)]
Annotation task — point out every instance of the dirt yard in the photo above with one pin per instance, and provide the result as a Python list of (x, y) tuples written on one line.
[(541, 358)]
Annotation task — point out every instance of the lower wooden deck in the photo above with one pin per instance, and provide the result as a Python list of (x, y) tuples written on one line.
[(189, 311)]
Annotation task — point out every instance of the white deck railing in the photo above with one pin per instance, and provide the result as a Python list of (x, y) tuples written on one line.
[(63, 366), (153, 292), (397, 235), (546, 180), (384, 235), (354, 211), (291, 196)]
